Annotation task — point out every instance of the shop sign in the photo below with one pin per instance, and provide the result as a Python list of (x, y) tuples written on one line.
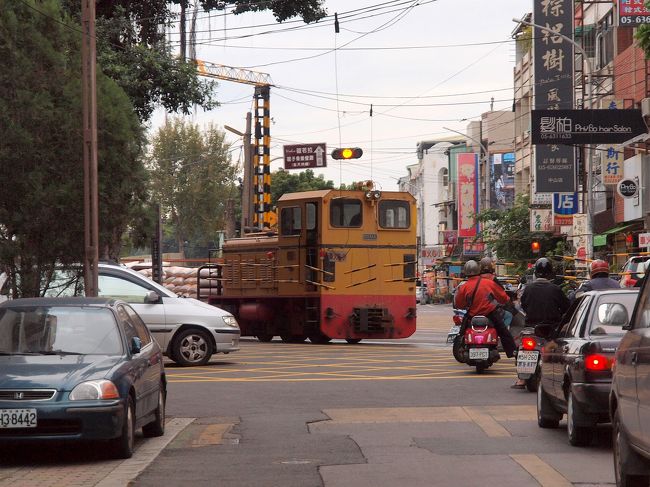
[(467, 194), (627, 188), (644, 240), (541, 220), (473, 248)]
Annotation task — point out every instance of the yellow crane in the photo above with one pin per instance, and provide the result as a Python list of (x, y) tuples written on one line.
[(261, 170)]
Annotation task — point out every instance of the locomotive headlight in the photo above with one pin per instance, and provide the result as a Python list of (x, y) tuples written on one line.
[(376, 194)]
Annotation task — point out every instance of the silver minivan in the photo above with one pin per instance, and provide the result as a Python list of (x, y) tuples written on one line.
[(188, 331)]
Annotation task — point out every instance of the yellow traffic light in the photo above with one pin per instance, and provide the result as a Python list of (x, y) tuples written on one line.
[(347, 153)]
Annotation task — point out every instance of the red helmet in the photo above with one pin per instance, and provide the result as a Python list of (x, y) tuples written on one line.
[(599, 267)]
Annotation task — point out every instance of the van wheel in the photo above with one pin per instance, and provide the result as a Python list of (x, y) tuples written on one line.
[(265, 338), (624, 457), (319, 339), (353, 341), (192, 347), (547, 416)]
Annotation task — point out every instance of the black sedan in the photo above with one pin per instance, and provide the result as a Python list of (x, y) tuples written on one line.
[(78, 369), (576, 367)]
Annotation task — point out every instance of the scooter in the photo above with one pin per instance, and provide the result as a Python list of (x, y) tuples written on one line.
[(480, 344), (528, 357), (454, 336)]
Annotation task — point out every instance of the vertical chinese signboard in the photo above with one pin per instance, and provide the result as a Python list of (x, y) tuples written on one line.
[(467, 194), (541, 220), (555, 168)]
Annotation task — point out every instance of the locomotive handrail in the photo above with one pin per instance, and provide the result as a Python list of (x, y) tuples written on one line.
[(285, 266), (360, 269), (319, 270), (408, 279), (287, 281), (362, 282), (401, 263), (319, 284)]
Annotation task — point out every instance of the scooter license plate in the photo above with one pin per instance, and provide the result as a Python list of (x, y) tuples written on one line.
[(527, 361), (452, 333), (479, 353)]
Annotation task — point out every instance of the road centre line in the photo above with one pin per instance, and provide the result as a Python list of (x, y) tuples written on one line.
[(319, 379)]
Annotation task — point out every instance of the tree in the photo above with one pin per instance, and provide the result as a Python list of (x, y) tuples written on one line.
[(133, 51), (41, 219), (286, 182), (507, 232), (192, 177)]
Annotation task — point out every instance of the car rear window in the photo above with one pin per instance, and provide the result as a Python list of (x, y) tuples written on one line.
[(607, 318), (59, 329)]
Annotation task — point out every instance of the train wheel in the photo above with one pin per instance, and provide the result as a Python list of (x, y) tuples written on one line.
[(293, 338), (265, 338), (353, 341), (319, 339)]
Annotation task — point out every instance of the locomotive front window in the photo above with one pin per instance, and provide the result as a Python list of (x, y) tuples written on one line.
[(394, 214), (290, 221), (346, 213)]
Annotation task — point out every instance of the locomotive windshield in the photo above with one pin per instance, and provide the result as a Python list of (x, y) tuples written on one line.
[(394, 214), (290, 223), (346, 213)]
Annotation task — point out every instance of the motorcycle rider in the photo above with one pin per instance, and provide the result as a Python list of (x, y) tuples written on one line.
[(543, 301), (481, 296), (599, 270)]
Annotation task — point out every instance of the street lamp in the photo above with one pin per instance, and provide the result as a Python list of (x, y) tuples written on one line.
[(590, 152)]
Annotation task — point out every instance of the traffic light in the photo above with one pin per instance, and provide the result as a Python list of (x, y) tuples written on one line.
[(347, 153), (534, 246)]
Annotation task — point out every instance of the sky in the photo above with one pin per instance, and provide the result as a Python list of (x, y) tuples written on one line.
[(422, 65)]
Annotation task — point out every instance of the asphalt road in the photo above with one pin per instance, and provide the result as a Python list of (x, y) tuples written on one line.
[(379, 413), (386, 413)]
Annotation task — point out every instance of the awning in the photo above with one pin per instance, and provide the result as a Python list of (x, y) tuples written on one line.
[(600, 240)]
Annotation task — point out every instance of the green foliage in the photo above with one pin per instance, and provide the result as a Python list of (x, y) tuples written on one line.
[(507, 232), (191, 177), (287, 182), (41, 204), (132, 50)]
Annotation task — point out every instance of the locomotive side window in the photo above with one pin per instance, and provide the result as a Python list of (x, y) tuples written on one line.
[(394, 214), (346, 213), (290, 221)]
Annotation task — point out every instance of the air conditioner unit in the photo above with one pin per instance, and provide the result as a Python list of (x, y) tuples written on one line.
[(645, 107)]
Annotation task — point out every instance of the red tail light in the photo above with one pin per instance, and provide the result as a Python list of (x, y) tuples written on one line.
[(598, 362), (458, 320), (528, 343)]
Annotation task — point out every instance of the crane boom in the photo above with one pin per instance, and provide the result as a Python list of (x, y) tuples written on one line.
[(261, 149)]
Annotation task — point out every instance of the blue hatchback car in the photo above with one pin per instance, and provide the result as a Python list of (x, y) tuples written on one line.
[(78, 369)]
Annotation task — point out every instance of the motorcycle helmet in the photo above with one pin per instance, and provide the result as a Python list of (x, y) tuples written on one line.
[(471, 268), (486, 265), (599, 268), (544, 269)]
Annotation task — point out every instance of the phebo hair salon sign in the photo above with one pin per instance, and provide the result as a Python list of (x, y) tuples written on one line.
[(586, 126)]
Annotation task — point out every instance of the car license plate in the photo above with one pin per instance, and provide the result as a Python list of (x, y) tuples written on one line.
[(479, 353), (17, 418), (527, 361)]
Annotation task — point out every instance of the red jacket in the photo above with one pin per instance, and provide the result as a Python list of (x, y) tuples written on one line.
[(487, 296)]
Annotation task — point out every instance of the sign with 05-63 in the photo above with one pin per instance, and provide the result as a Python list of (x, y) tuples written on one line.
[(305, 156)]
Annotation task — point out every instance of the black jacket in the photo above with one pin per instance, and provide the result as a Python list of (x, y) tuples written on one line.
[(543, 302)]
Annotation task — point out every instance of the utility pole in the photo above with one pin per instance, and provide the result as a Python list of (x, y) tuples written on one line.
[(247, 184), (89, 112)]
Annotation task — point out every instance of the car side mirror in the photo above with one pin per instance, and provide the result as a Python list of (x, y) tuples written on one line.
[(627, 327), (544, 330), (151, 297), (136, 345)]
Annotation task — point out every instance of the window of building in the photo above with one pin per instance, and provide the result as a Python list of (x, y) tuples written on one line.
[(394, 214), (346, 212)]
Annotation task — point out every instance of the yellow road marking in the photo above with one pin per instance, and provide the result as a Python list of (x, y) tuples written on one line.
[(442, 414), (487, 423), (212, 435), (541, 471)]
